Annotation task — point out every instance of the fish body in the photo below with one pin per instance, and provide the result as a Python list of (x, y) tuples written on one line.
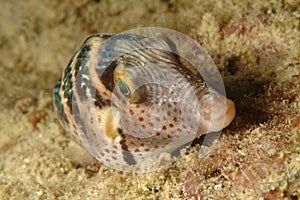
[(129, 98)]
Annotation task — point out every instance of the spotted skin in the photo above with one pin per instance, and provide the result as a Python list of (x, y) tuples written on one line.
[(125, 100)]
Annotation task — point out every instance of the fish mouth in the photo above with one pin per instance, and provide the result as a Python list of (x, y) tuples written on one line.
[(230, 112), (221, 117), (217, 112)]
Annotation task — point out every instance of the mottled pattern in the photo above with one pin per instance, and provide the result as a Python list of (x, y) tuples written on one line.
[(126, 100)]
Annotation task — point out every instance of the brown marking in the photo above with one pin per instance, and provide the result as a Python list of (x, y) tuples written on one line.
[(92, 167), (131, 112), (36, 117)]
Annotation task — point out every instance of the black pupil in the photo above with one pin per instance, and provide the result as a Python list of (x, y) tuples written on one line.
[(124, 88)]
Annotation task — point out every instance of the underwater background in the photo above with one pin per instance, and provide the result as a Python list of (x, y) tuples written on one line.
[(256, 46)]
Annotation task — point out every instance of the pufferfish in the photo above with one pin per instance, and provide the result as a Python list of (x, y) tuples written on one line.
[(129, 98)]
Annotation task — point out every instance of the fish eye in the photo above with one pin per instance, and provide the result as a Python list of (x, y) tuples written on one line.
[(124, 88)]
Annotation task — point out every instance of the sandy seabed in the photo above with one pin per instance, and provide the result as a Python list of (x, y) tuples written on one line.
[(256, 47)]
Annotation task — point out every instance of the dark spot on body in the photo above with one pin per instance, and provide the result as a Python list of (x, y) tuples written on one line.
[(131, 112), (128, 157), (120, 131), (100, 101)]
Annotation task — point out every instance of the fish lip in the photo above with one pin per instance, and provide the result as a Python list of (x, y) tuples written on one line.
[(220, 117), (230, 112)]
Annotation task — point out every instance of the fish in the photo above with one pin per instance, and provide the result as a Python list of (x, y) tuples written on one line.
[(133, 101)]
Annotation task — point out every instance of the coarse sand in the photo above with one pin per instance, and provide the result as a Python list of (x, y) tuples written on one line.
[(256, 46)]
